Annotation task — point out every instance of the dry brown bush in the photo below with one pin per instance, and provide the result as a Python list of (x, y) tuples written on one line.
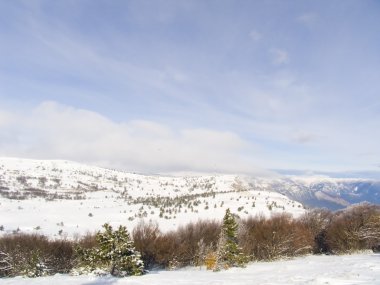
[(60, 256), (86, 241), (166, 249), (355, 228), (182, 247), (316, 222), (30, 253), (270, 238), (145, 237), (191, 236)]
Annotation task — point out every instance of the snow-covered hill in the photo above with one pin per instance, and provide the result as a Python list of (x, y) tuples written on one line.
[(61, 197)]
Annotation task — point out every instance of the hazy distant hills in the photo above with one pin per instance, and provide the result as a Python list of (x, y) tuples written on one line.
[(331, 193)]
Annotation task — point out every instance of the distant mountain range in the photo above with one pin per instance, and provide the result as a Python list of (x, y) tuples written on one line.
[(325, 192)]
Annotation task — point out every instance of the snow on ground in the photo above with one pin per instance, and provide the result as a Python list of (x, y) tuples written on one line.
[(363, 268), (71, 217), (92, 196)]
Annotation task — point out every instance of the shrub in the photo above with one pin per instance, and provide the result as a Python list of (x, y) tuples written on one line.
[(145, 238), (34, 255), (194, 238), (355, 228), (211, 260), (114, 253), (185, 246), (271, 238), (5, 264), (316, 222)]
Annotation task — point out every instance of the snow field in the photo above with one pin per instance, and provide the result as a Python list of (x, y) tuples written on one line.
[(123, 198), (363, 268), (59, 218)]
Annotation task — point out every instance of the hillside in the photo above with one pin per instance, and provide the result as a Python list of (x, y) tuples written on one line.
[(64, 198)]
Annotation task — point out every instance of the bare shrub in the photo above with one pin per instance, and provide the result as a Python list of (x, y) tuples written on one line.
[(270, 238), (60, 256), (87, 241), (185, 246), (145, 237), (191, 236), (355, 228), (34, 255), (166, 249), (316, 222)]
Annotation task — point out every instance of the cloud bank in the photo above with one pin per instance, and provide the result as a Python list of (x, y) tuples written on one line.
[(52, 130)]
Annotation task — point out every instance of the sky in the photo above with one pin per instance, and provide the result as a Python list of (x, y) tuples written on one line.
[(195, 86)]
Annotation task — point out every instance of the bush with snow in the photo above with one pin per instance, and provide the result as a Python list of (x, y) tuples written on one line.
[(114, 253)]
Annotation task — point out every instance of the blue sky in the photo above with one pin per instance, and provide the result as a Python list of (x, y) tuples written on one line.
[(209, 86)]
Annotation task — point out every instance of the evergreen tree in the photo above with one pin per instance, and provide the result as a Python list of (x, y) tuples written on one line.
[(115, 253), (229, 253)]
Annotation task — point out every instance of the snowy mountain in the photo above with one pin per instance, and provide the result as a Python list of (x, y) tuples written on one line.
[(63, 198), (324, 192)]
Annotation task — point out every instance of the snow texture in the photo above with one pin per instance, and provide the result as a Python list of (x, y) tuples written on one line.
[(361, 268)]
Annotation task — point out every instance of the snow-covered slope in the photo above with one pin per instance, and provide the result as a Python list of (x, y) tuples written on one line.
[(63, 198), (361, 268)]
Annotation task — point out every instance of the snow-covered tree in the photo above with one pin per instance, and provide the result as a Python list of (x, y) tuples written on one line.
[(114, 254), (229, 254)]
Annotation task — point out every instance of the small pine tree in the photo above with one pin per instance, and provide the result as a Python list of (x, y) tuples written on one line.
[(229, 254), (115, 254)]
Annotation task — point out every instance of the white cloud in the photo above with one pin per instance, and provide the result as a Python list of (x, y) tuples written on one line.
[(279, 56), (54, 131)]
